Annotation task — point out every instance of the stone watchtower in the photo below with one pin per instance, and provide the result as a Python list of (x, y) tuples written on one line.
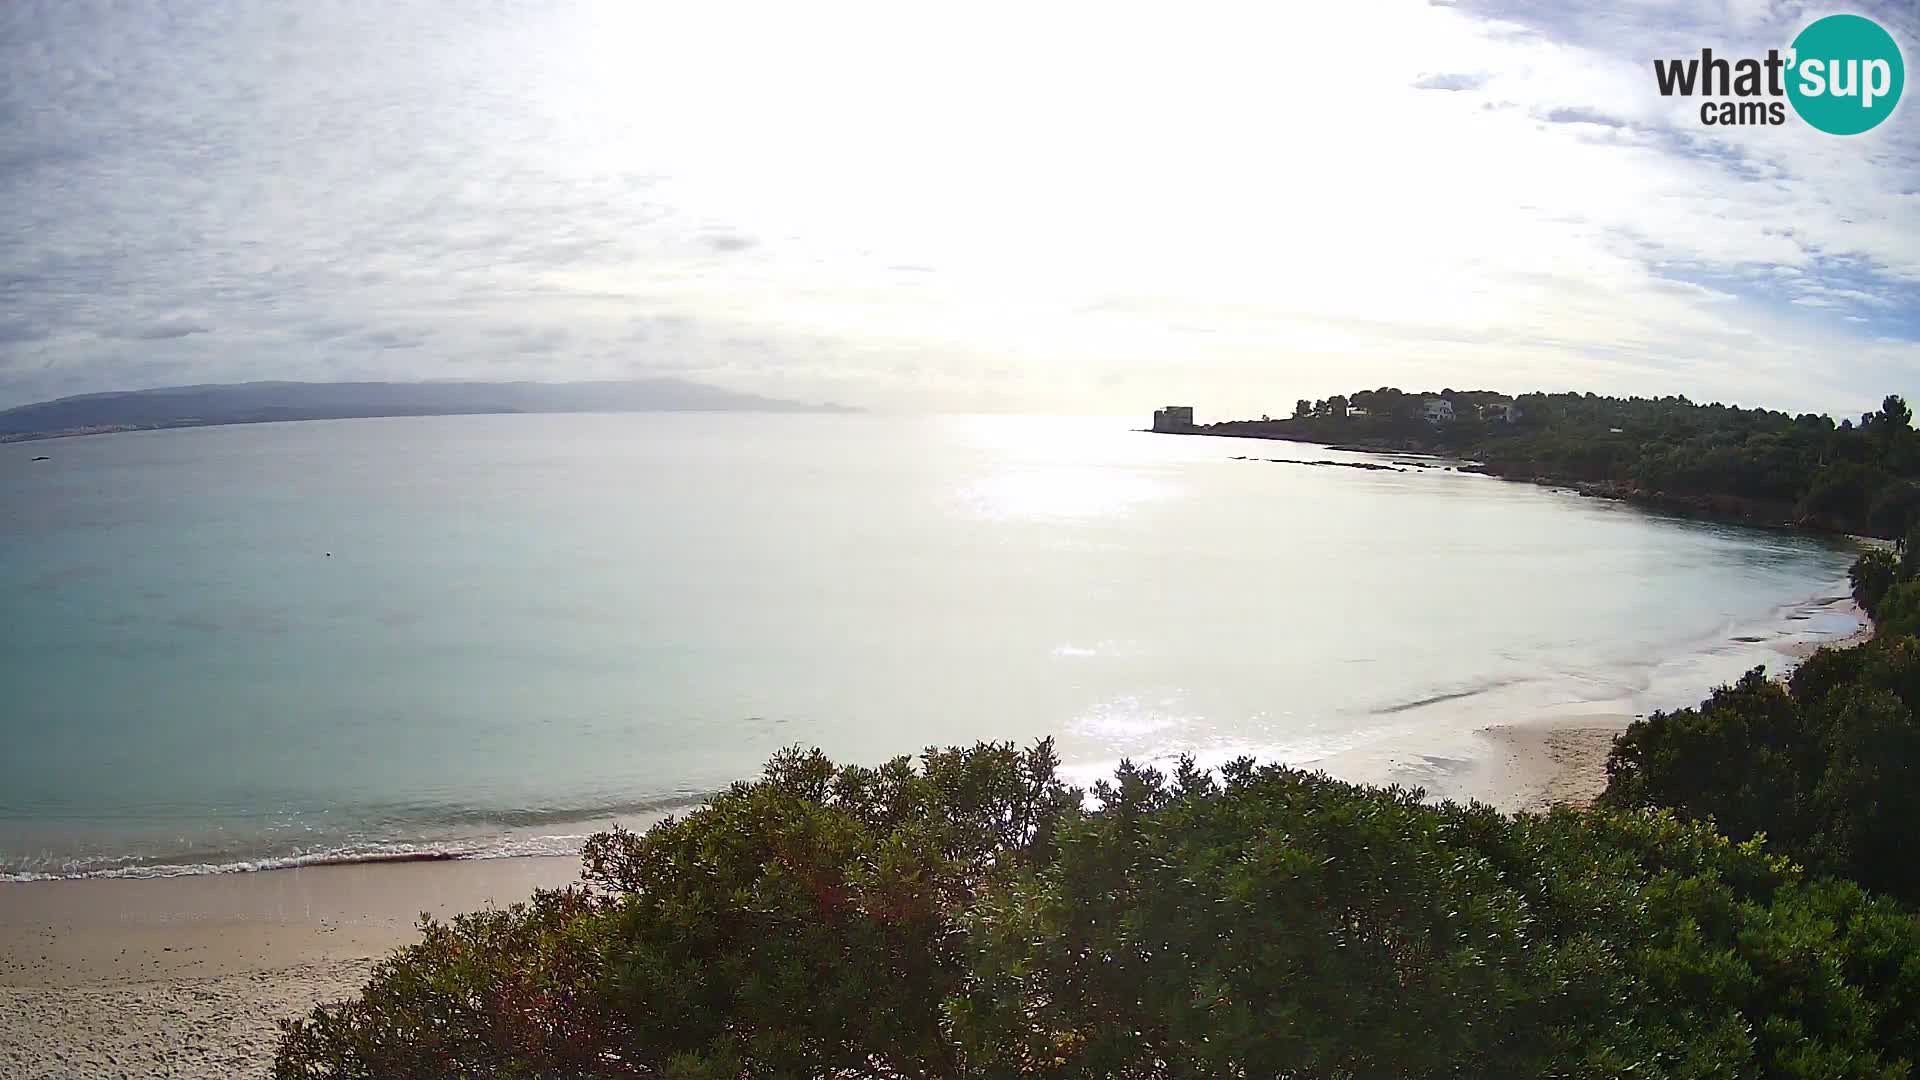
[(1173, 418)]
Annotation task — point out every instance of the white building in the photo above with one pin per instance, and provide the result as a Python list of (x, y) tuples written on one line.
[(1506, 412), (1438, 410)]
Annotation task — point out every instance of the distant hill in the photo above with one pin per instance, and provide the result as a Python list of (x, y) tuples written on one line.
[(264, 402)]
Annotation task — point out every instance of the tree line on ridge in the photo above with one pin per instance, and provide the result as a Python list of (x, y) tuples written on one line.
[(1759, 464)]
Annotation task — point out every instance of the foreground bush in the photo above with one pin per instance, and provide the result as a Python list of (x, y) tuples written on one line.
[(971, 918), (1275, 923), (1822, 765), (796, 926)]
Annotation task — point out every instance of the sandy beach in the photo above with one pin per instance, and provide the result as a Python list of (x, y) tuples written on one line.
[(186, 977), (1560, 762), (1546, 762)]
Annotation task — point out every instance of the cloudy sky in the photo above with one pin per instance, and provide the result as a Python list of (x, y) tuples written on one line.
[(974, 206)]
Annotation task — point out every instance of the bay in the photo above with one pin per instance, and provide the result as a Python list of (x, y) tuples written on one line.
[(262, 645)]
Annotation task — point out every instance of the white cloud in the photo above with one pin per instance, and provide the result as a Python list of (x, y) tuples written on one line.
[(1075, 206)]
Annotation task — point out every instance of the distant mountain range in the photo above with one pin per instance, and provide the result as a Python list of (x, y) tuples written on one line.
[(266, 402)]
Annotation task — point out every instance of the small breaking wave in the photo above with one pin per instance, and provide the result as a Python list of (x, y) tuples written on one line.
[(504, 848), (1449, 695), (512, 840)]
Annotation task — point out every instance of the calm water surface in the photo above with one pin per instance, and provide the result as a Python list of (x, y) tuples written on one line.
[(254, 645)]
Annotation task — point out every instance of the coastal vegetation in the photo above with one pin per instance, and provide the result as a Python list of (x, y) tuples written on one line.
[(1755, 464), (1886, 584), (972, 915), (1821, 765)]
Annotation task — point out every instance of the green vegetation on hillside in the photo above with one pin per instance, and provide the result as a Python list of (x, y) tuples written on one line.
[(1859, 478), (971, 917)]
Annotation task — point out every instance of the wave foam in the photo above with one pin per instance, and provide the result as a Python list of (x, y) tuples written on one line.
[(500, 848)]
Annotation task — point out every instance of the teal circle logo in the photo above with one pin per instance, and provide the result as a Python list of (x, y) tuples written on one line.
[(1846, 74)]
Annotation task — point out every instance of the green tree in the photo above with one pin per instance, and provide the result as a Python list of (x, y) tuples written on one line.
[(974, 917), (1896, 509), (1899, 610), (1840, 493), (1872, 574), (1744, 758), (1867, 801), (796, 926), (1821, 766), (1894, 415)]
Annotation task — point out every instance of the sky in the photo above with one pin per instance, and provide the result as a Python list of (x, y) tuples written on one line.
[(1099, 207)]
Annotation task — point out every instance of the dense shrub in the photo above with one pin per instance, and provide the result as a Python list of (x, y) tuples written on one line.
[(1872, 575), (799, 925), (1822, 765), (1746, 757), (1275, 923), (1898, 612), (520, 991), (973, 917), (1887, 585)]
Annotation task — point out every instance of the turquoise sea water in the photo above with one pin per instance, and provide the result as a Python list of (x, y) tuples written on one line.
[(251, 646)]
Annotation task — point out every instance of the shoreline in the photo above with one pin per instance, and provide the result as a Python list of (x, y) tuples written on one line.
[(188, 976), (1562, 761)]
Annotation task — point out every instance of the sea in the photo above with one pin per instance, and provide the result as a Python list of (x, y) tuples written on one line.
[(246, 647)]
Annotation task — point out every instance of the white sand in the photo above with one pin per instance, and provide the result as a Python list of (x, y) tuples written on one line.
[(215, 1027), (187, 977), (1554, 763)]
